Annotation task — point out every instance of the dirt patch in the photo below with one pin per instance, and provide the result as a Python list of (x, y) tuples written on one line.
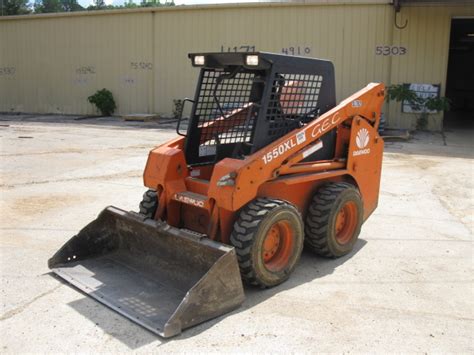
[(34, 205), (425, 164), (80, 151), (108, 177), (396, 159), (457, 200), (62, 151)]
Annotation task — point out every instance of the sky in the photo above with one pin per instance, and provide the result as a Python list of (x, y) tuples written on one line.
[(86, 3)]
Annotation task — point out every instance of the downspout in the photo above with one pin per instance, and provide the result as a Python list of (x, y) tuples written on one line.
[(151, 101), (397, 9)]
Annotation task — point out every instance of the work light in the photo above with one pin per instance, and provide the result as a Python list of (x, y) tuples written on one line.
[(199, 60), (251, 60)]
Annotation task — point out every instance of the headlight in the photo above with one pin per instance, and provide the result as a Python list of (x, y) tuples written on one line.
[(199, 60), (251, 60)]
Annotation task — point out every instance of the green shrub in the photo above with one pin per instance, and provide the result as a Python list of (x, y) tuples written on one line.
[(104, 101), (424, 105), (178, 106)]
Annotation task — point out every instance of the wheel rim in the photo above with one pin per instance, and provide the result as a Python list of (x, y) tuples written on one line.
[(277, 246), (346, 222)]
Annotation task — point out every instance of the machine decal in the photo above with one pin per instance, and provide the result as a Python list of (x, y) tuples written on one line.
[(362, 140), (189, 200), (300, 137), (312, 149), (282, 148), (206, 150), (356, 103), (324, 125)]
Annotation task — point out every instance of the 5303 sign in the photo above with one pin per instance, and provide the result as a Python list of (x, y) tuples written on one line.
[(390, 50)]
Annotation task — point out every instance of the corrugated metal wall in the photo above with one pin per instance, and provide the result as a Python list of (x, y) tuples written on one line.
[(59, 62), (52, 63), (427, 41)]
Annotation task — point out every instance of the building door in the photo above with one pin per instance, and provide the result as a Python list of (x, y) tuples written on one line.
[(460, 80)]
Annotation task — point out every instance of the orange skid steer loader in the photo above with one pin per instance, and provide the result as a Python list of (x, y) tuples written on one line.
[(268, 163)]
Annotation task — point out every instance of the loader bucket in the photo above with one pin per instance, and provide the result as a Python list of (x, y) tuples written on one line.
[(163, 278)]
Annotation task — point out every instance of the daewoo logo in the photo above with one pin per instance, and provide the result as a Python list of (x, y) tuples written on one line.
[(362, 140)]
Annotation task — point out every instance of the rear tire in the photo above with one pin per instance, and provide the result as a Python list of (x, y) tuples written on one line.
[(268, 238), (149, 204), (334, 220)]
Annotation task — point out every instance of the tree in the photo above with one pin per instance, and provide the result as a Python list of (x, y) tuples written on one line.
[(150, 3), (99, 4), (130, 4), (155, 3), (14, 7), (46, 6), (70, 5)]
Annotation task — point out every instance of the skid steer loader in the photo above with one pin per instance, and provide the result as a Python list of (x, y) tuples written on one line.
[(268, 163)]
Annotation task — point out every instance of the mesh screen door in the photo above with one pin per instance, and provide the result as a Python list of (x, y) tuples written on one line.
[(230, 119)]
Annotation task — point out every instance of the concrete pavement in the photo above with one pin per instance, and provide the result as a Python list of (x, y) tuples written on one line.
[(408, 286)]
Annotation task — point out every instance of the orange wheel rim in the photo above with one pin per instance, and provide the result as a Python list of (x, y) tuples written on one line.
[(277, 246), (346, 222)]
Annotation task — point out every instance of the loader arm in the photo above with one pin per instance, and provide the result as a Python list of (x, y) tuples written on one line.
[(269, 162)]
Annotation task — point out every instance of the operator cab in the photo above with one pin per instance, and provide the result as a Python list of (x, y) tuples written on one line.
[(245, 101)]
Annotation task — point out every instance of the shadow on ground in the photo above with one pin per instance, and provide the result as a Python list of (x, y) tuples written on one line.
[(451, 143), (108, 122), (133, 336)]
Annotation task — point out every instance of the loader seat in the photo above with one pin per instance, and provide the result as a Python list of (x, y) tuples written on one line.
[(292, 103)]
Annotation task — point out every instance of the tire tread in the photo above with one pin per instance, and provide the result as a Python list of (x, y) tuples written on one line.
[(317, 218), (243, 234), (149, 204)]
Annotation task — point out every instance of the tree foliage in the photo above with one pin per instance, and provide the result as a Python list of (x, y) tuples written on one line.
[(14, 7), (425, 105), (48, 6), (150, 3), (98, 5), (45, 6), (22, 7), (130, 4), (71, 5)]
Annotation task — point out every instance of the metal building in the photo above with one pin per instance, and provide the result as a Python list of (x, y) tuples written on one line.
[(51, 63)]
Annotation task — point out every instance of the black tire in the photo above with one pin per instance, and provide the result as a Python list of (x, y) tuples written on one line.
[(149, 204), (257, 220), (321, 219)]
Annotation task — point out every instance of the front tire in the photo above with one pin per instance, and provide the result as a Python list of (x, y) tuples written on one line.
[(149, 204), (334, 220), (268, 238)]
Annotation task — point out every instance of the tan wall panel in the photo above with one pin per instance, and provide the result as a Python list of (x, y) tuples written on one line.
[(59, 62), (141, 56), (347, 35), (427, 39)]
